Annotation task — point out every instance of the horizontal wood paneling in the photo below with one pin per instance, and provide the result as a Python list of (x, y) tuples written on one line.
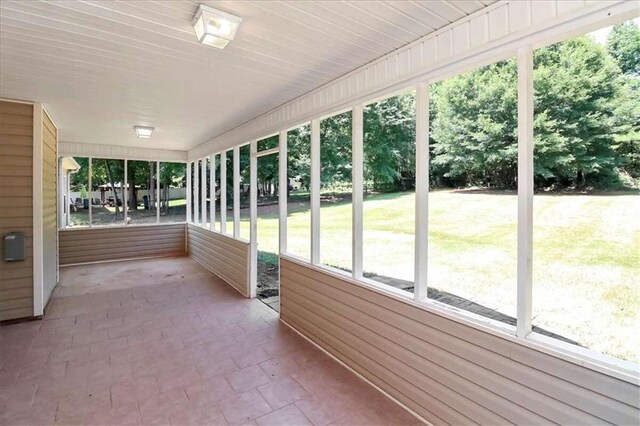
[(120, 242), (494, 31), (16, 206), (446, 371), (226, 257)]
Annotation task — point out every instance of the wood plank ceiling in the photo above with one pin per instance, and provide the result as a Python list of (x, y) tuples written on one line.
[(103, 66)]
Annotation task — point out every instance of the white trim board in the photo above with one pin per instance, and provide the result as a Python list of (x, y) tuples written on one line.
[(120, 152), (38, 238), (491, 34)]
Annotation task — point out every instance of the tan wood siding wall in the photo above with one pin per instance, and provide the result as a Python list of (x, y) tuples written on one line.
[(226, 257), (120, 243), (444, 370), (16, 206), (49, 206)]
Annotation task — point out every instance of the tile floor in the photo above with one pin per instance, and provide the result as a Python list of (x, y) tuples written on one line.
[(165, 342)]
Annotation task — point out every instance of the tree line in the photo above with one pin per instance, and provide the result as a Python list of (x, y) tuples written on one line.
[(586, 125)]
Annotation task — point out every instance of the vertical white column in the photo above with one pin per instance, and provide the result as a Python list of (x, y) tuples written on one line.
[(125, 193), (422, 191), (158, 192), (253, 219), (203, 185), (525, 190), (223, 192), (196, 191), (68, 198), (37, 211), (315, 191), (357, 128), (236, 192), (189, 192), (283, 184), (212, 190), (90, 193)]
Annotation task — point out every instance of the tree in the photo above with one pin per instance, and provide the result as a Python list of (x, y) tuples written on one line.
[(577, 85), (335, 151), (299, 155), (585, 116), (623, 44), (389, 143), (474, 128)]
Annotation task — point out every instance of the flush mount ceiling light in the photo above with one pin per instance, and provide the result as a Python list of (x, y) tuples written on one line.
[(143, 131), (214, 27)]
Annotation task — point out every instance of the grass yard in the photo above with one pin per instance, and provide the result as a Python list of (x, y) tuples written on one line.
[(586, 254), (105, 215)]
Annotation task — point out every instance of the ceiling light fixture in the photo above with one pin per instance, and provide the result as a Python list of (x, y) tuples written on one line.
[(143, 131), (214, 27)]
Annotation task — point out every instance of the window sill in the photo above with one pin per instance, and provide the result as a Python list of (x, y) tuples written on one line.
[(140, 225)]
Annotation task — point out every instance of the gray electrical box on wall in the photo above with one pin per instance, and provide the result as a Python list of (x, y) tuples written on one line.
[(14, 246)]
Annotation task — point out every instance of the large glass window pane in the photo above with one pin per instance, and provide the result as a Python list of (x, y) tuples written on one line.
[(199, 191), (206, 211), (389, 191), (336, 181), (173, 192), (472, 259), (267, 143), (267, 230), (141, 192), (107, 181), (216, 159), (586, 231), (245, 165), (230, 191), (192, 192), (298, 195), (76, 189)]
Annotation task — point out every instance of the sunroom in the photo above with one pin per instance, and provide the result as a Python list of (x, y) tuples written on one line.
[(271, 213)]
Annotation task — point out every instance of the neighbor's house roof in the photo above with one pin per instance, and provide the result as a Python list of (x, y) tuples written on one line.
[(69, 163), (118, 185)]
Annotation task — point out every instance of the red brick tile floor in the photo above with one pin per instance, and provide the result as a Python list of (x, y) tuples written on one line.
[(165, 342)]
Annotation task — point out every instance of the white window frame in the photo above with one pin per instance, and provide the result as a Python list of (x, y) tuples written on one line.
[(522, 333)]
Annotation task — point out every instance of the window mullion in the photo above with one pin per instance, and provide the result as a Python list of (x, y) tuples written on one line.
[(124, 190), (236, 192), (525, 190), (203, 191), (189, 192), (167, 189), (212, 191), (223, 192), (253, 234), (422, 192), (315, 191), (283, 188), (196, 190), (357, 188)]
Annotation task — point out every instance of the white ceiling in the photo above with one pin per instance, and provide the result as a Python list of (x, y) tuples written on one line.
[(101, 67)]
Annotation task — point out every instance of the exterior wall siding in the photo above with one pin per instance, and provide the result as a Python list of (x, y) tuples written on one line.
[(49, 206), (16, 206), (224, 256), (90, 245), (443, 370)]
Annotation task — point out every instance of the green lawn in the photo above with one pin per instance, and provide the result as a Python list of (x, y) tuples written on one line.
[(586, 255), (105, 215)]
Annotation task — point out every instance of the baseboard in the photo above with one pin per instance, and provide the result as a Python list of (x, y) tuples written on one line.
[(376, 387)]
